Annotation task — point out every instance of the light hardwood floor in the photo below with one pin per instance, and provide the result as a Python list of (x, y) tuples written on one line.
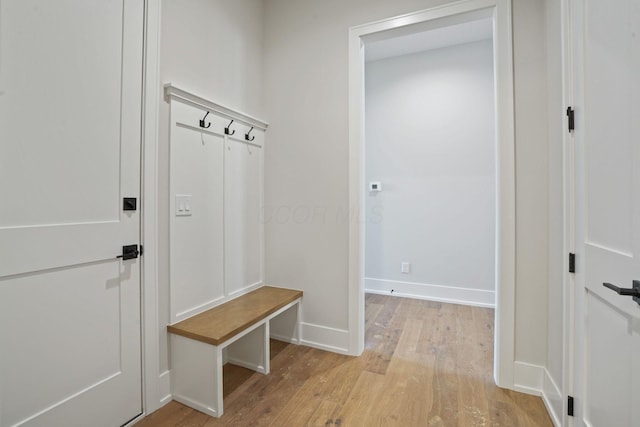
[(425, 364)]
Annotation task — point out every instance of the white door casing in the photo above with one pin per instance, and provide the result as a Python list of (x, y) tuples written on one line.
[(70, 126), (606, 63)]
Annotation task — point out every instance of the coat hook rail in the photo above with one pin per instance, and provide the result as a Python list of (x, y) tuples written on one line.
[(246, 135), (202, 125), (226, 130)]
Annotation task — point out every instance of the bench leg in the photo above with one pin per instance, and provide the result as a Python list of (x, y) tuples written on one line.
[(196, 375)]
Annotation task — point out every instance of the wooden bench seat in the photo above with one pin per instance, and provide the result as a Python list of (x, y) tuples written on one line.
[(237, 332), (217, 325)]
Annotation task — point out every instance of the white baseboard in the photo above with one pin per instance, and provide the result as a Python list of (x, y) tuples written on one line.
[(448, 294), (195, 405), (325, 338), (527, 378), (244, 364), (552, 398), (283, 338), (536, 380), (164, 383)]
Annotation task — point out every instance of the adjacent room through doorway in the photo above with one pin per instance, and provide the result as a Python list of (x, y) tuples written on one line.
[(430, 183), (430, 165)]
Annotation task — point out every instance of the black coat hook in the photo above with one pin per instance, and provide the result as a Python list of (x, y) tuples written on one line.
[(226, 130), (202, 125), (246, 135)]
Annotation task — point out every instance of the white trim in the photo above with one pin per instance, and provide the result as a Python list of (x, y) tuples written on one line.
[(283, 338), (527, 378), (165, 387), (249, 365), (197, 309), (196, 405), (325, 338), (173, 92), (193, 311), (218, 134), (552, 398), (425, 291), (245, 290), (155, 385), (568, 220), (505, 163)]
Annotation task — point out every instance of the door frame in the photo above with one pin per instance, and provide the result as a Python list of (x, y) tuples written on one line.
[(155, 386), (568, 213), (504, 343)]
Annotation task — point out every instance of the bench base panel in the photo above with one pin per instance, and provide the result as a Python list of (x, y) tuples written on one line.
[(252, 350), (196, 366), (196, 375)]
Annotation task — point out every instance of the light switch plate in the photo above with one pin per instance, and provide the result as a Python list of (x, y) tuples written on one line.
[(183, 205)]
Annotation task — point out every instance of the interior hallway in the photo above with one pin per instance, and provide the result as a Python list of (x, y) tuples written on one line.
[(425, 364)]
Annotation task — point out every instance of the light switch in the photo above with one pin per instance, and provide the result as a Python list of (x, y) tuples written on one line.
[(183, 205)]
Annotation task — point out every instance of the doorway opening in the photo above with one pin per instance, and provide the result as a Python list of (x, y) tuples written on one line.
[(364, 40), (429, 165)]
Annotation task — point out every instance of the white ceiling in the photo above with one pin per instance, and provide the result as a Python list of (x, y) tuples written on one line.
[(436, 38)]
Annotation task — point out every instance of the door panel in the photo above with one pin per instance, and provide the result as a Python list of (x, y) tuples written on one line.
[(70, 105), (608, 345), (70, 125), (59, 105), (607, 149), (607, 122), (65, 336)]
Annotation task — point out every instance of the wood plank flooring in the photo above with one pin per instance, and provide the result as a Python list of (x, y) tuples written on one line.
[(425, 364)]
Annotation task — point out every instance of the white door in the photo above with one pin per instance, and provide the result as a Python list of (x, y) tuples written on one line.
[(606, 42), (70, 122)]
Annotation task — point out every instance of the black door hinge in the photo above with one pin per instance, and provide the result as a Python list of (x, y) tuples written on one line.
[(570, 406), (572, 263), (141, 250), (571, 118)]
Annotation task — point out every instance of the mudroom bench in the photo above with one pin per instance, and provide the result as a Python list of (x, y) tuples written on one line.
[(236, 332)]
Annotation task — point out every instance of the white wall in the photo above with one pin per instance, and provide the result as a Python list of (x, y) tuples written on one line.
[(306, 164), (213, 48), (531, 181), (430, 141)]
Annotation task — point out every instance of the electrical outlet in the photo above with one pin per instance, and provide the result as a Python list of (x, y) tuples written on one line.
[(375, 186)]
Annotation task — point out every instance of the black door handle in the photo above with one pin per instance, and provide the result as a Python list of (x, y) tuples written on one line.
[(129, 252), (632, 292)]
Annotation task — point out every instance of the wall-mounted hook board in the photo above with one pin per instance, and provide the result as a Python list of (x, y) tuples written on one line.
[(215, 186)]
